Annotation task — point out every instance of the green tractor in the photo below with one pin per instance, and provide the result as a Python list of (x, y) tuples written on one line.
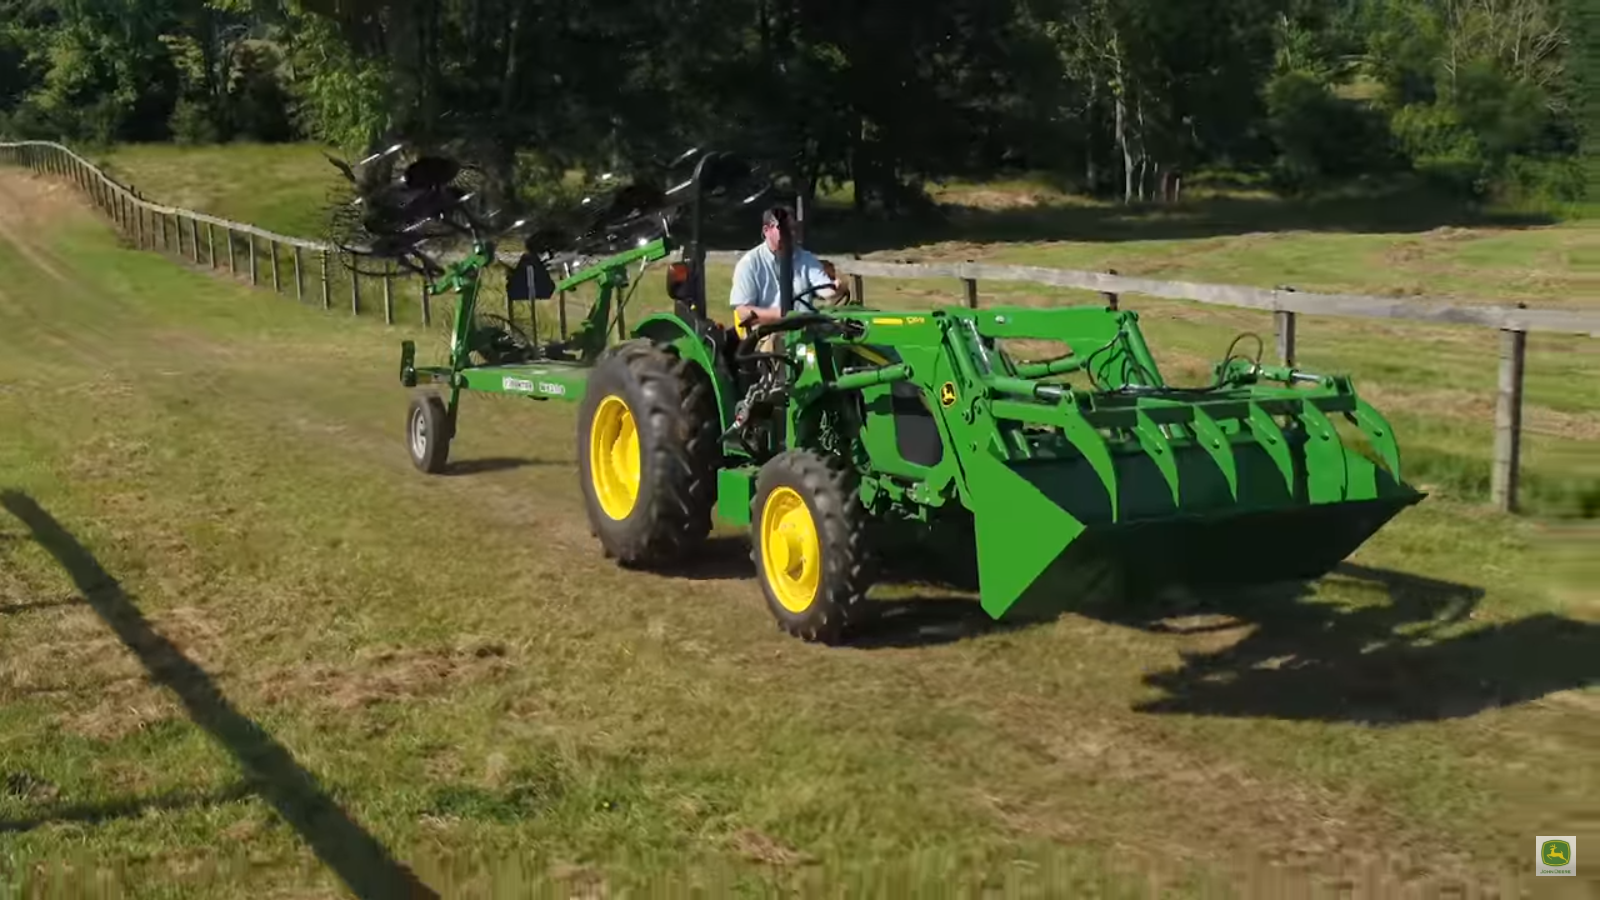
[(873, 437)]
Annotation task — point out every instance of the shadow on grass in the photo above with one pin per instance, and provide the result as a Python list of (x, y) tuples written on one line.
[(358, 858), (1396, 211), (725, 557), (925, 621), (491, 464), (96, 813), (1410, 656)]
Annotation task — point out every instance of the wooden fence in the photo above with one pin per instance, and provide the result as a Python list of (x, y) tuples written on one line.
[(147, 221)]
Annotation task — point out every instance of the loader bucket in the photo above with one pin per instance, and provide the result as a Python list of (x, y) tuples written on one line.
[(1199, 494)]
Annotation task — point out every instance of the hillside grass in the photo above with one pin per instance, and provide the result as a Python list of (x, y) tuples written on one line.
[(451, 663)]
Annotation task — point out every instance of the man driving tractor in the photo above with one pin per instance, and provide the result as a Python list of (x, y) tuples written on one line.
[(755, 294)]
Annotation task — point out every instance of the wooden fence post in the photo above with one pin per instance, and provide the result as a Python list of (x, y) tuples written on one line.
[(233, 258), (327, 291), (858, 286), (211, 243), (355, 291), (277, 284), (971, 285), (1283, 328), (255, 278), (1505, 479), (1112, 298), (299, 277), (194, 239), (1283, 324)]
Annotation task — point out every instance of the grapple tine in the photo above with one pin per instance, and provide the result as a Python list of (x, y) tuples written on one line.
[(1160, 451), (1088, 442), (1271, 439), (1215, 443), (1326, 459), (1377, 431)]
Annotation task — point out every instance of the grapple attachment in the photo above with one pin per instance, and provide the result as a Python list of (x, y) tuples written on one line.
[(1130, 485)]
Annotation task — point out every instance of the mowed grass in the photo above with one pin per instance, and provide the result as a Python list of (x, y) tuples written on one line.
[(285, 188), (451, 662)]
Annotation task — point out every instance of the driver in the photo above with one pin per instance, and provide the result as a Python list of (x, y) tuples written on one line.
[(754, 296)]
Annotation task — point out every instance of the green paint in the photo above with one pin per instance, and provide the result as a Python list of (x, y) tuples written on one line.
[(734, 488)]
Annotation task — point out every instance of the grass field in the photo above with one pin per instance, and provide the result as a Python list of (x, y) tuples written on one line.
[(245, 650)]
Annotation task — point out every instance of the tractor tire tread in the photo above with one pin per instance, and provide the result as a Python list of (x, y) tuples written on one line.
[(848, 569), (679, 411)]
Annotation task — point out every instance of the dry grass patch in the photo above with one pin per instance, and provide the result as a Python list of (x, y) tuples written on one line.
[(386, 675), (755, 846)]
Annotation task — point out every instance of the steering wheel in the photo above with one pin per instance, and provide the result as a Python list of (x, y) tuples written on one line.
[(738, 324)]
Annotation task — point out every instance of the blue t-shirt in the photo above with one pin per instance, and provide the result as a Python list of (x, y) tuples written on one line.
[(755, 278)]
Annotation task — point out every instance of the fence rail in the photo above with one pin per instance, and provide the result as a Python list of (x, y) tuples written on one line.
[(129, 211)]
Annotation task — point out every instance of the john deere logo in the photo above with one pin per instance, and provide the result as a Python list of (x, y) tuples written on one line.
[(947, 393), (1557, 856)]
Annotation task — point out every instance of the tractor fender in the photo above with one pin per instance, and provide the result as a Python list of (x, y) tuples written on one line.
[(694, 346)]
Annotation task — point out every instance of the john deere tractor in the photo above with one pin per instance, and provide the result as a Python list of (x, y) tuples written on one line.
[(873, 437)]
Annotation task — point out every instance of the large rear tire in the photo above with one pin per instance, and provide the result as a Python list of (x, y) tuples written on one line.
[(810, 545), (647, 455)]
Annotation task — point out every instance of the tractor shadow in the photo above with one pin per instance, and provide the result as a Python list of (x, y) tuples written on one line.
[(724, 557), (925, 620), (1401, 648), (270, 770), (489, 464)]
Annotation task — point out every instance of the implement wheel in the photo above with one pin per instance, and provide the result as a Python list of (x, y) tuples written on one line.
[(647, 455), (809, 545), (428, 433)]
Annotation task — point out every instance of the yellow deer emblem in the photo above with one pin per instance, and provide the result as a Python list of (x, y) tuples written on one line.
[(1556, 853)]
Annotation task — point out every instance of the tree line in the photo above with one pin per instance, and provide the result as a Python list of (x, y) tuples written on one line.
[(1118, 98)]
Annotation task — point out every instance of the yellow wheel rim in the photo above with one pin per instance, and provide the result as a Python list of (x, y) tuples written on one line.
[(790, 551), (614, 457)]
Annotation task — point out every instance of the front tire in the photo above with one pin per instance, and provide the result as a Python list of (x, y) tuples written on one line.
[(428, 433), (647, 458), (810, 545)]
